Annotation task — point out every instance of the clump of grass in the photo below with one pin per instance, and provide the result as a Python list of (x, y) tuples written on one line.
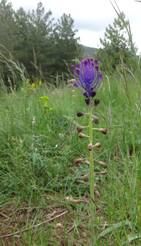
[(12, 73)]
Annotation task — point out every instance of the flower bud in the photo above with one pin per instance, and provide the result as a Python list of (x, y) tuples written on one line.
[(96, 102), (85, 177), (103, 130), (79, 161), (80, 129), (82, 135), (87, 162), (79, 114), (87, 101), (93, 94), (95, 119), (97, 145), (90, 146)]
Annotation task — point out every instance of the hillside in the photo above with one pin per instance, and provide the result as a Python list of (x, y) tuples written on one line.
[(88, 51)]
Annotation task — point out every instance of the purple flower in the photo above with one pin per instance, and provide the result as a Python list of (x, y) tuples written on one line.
[(87, 76)]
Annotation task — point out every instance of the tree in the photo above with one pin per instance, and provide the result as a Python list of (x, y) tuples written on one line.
[(116, 45), (35, 40), (44, 47), (7, 26), (34, 31), (66, 43)]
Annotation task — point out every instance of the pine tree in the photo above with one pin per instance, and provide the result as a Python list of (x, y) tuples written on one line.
[(116, 45), (66, 42)]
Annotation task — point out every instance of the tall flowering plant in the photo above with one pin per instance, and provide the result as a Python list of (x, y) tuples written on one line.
[(88, 78)]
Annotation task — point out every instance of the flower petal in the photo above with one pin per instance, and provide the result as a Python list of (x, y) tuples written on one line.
[(87, 76)]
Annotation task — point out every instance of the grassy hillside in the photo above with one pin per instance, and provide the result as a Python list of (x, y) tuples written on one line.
[(44, 192)]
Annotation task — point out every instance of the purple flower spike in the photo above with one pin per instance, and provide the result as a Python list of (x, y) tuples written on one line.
[(87, 76)]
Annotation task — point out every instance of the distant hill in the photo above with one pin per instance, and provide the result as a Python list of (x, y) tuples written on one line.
[(88, 51)]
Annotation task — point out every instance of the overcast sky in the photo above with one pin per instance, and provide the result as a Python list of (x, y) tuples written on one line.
[(91, 17)]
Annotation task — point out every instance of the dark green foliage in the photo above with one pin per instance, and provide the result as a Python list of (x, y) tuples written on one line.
[(35, 40), (117, 46), (7, 26), (33, 44), (66, 46)]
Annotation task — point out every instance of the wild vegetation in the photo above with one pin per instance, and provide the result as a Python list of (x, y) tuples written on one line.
[(44, 186), (41, 44)]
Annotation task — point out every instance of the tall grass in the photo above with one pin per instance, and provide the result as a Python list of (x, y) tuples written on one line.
[(12, 73), (37, 151)]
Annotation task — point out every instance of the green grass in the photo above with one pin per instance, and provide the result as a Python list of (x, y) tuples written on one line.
[(38, 176)]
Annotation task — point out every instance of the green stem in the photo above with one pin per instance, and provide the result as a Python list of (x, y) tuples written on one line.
[(91, 177), (91, 158)]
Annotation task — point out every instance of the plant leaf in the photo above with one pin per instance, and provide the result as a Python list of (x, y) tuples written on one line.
[(114, 227), (133, 237)]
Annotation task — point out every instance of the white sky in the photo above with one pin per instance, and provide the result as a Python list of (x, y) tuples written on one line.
[(91, 16)]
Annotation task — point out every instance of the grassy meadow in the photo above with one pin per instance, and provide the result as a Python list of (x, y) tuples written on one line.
[(44, 192)]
